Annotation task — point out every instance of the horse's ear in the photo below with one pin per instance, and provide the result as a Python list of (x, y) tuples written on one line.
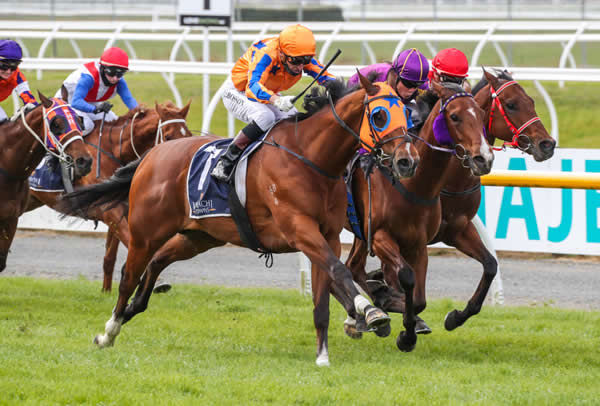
[(64, 94), (184, 111), (437, 88), (492, 80), (368, 86), (158, 108), (47, 103)]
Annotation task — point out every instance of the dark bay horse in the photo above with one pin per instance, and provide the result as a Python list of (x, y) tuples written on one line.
[(123, 141), (293, 202), (511, 117), (51, 126), (406, 216)]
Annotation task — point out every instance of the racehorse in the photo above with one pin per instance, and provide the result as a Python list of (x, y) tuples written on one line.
[(122, 141), (293, 188), (402, 218), (51, 126), (510, 116)]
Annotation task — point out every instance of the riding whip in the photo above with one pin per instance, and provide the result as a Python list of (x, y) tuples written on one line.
[(337, 53), (99, 147)]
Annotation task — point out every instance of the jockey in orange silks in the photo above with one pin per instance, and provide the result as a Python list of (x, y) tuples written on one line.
[(252, 95), (11, 78), (91, 85)]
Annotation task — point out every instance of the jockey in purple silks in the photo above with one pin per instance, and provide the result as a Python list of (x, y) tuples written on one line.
[(407, 74)]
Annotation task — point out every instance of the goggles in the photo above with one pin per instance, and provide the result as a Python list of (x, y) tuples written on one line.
[(299, 60), (452, 79), (9, 64), (411, 84), (114, 71)]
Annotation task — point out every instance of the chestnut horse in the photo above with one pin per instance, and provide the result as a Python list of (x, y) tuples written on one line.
[(293, 202), (511, 117), (406, 216), (51, 126), (123, 140)]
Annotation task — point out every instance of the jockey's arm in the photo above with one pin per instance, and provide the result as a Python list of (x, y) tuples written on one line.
[(126, 96), (85, 84), (258, 72), (313, 69), (23, 90)]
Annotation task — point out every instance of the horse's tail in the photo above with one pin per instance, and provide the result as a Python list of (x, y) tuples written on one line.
[(113, 192)]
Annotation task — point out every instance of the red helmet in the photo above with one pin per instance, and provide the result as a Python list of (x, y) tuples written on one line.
[(115, 57), (451, 62)]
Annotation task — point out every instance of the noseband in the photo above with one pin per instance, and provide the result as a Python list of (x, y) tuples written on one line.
[(516, 131), (159, 131)]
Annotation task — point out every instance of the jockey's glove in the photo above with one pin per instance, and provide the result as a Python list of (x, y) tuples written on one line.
[(104, 107), (284, 103)]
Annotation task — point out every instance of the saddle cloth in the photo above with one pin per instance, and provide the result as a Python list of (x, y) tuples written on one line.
[(46, 178), (206, 196)]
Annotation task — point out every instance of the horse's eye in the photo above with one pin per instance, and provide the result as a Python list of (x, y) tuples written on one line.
[(511, 106), (453, 117), (380, 118), (58, 126)]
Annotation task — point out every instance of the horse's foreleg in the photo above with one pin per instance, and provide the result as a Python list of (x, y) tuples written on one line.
[(399, 275), (110, 257), (137, 259), (469, 242)]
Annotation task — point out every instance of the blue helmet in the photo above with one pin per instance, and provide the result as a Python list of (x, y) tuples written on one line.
[(10, 49)]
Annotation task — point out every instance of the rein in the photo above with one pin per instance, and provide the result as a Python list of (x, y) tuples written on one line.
[(516, 131)]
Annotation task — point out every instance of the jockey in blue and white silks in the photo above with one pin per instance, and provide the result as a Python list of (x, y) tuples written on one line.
[(90, 86)]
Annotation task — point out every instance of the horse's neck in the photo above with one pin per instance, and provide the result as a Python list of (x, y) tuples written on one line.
[(119, 141), (484, 100), (323, 141), (20, 151)]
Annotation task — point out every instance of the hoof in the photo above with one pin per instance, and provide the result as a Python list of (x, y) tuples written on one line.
[(421, 327), (384, 331), (322, 361), (352, 332), (451, 322), (376, 318), (162, 288), (102, 341), (406, 343)]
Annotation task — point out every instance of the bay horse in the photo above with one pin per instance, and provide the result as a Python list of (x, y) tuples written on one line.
[(293, 202), (50, 126), (124, 140), (511, 117), (406, 216)]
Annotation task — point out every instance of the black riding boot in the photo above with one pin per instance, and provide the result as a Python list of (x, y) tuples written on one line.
[(222, 171)]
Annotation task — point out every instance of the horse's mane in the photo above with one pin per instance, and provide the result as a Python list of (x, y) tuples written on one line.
[(317, 98), (141, 109), (500, 74)]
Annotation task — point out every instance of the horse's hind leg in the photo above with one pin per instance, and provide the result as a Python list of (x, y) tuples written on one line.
[(180, 247), (110, 257), (469, 242), (8, 228)]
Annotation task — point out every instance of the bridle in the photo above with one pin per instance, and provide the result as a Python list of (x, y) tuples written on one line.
[(517, 132), (160, 138)]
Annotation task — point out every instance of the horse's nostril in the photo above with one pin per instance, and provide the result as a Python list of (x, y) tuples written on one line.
[(479, 160), (404, 163), (547, 145)]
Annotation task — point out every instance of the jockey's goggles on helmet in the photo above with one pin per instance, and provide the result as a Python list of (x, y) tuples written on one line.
[(452, 79), (9, 64), (299, 60), (411, 84), (114, 71)]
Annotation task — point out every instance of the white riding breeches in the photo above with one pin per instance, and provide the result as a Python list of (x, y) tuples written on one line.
[(89, 118), (3, 115), (246, 110)]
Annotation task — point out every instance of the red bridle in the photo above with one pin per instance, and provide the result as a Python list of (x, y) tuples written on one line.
[(516, 131)]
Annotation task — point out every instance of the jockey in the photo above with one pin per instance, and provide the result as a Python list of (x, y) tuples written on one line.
[(268, 67), (92, 84), (11, 78), (407, 74), (450, 65)]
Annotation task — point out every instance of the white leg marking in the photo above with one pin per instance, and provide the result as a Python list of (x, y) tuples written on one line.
[(111, 330), (323, 359)]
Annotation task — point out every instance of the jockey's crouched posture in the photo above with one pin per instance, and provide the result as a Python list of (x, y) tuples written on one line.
[(11, 78), (252, 95), (90, 86)]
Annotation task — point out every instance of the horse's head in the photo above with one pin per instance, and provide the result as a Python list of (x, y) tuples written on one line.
[(512, 117), (62, 135), (460, 125), (383, 130), (171, 125)]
